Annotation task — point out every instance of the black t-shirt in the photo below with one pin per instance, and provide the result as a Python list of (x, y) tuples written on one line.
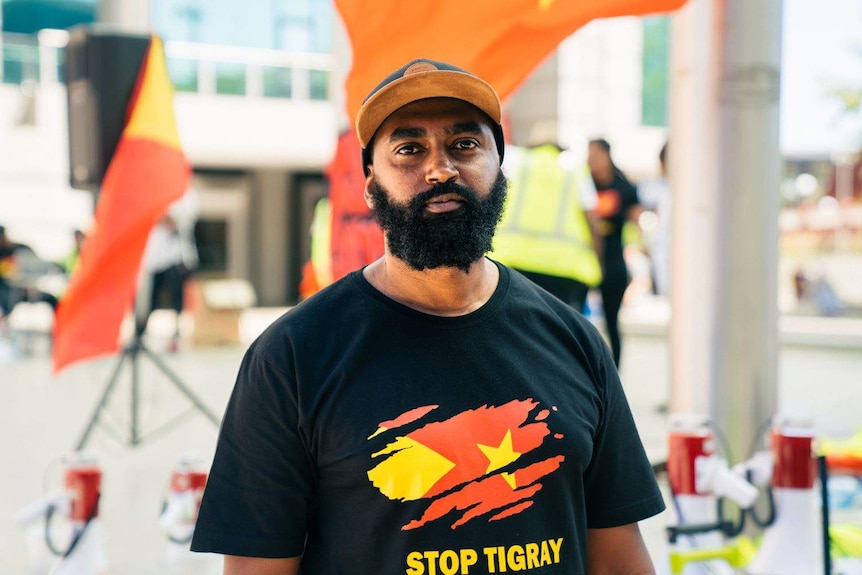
[(614, 201), (375, 439)]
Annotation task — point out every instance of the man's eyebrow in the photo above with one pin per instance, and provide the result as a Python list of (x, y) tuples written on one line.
[(470, 127), (404, 133)]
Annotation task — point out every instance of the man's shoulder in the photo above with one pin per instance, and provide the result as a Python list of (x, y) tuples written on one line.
[(319, 323), (553, 316), (332, 301), (525, 290)]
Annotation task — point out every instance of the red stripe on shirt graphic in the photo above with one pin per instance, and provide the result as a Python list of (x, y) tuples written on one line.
[(468, 466)]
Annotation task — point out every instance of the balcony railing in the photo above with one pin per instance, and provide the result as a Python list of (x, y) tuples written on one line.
[(195, 68)]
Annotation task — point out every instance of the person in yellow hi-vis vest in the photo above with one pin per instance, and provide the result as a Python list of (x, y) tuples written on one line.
[(317, 271), (546, 232)]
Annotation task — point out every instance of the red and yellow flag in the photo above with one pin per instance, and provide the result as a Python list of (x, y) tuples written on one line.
[(147, 172), (470, 464), (501, 41)]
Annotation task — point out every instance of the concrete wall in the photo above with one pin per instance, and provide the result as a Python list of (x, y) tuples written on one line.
[(591, 86), (535, 101), (270, 238), (240, 132), (38, 206), (600, 69)]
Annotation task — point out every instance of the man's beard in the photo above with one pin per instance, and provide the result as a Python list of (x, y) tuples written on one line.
[(451, 239)]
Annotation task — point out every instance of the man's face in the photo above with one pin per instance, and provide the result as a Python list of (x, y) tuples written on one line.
[(435, 184)]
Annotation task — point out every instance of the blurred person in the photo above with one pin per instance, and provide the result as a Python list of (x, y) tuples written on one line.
[(655, 196), (7, 271), (20, 268), (71, 260), (317, 271), (444, 401), (170, 258), (617, 203), (547, 230), (815, 294)]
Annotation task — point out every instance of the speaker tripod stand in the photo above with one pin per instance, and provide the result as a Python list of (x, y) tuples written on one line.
[(131, 353)]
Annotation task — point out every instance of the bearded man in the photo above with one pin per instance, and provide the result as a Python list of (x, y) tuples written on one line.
[(434, 412)]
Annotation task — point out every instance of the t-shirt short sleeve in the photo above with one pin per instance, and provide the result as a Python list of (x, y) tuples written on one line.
[(259, 492), (619, 484)]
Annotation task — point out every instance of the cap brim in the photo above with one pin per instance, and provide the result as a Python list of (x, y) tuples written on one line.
[(419, 86)]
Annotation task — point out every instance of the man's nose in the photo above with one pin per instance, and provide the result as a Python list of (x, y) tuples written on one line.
[(439, 167)]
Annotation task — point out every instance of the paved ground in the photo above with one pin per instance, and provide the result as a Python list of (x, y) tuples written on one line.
[(43, 417)]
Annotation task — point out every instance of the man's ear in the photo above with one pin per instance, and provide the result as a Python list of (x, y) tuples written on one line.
[(369, 180)]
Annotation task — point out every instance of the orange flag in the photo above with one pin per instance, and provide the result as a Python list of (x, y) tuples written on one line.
[(501, 41), (147, 172), (355, 237)]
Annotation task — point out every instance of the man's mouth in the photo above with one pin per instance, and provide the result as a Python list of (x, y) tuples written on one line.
[(444, 203)]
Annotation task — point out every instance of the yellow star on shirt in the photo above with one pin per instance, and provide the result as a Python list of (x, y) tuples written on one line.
[(500, 456), (545, 4)]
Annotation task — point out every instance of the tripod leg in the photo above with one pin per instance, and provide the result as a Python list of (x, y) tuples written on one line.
[(115, 377), (134, 437), (180, 385)]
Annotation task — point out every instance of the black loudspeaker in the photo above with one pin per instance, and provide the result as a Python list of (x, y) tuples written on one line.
[(101, 70)]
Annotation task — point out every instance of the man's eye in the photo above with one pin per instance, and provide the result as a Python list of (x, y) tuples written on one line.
[(466, 144), (407, 149)]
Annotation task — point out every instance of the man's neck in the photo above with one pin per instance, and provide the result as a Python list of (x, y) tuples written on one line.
[(446, 292)]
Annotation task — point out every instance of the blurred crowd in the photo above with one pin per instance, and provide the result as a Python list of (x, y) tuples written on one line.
[(31, 287)]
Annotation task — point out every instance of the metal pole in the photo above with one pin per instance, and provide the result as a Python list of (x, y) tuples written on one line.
[(180, 385), (691, 166), (724, 172), (845, 163), (823, 472), (103, 401), (135, 347)]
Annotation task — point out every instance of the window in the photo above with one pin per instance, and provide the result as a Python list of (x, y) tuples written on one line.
[(211, 241), (30, 16), (656, 58), (294, 25)]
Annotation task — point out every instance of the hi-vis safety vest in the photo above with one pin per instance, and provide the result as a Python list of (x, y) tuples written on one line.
[(544, 228), (320, 242), (317, 272)]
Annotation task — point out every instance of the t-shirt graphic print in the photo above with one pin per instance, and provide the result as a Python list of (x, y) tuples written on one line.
[(470, 464)]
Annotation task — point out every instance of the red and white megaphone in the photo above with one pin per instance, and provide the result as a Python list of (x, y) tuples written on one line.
[(180, 511), (698, 478), (70, 520), (792, 545)]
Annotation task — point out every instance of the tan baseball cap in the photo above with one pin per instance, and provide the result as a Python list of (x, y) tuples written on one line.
[(420, 79)]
